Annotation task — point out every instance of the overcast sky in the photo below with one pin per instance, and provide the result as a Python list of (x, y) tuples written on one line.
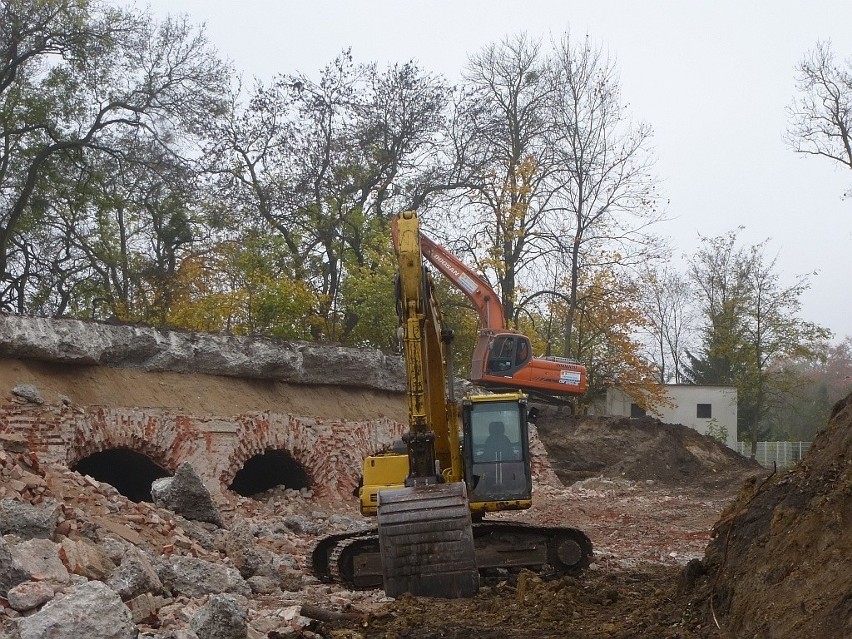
[(712, 79)]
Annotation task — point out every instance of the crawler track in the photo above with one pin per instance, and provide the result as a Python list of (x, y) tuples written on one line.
[(353, 559)]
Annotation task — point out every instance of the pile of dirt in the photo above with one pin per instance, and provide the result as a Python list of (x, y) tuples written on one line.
[(642, 449), (780, 564)]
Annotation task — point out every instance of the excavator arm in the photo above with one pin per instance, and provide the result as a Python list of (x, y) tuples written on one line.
[(432, 411), (425, 528), (468, 281), (502, 358)]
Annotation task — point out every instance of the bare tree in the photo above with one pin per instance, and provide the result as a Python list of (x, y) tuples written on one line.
[(606, 195), (665, 297), (821, 116), (500, 139)]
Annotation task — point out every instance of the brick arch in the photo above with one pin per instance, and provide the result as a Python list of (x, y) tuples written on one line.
[(260, 433), (329, 451), (161, 438)]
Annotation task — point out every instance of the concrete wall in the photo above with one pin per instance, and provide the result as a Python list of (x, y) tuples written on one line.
[(686, 397)]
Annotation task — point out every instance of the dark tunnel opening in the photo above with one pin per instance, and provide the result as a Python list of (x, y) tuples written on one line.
[(129, 472), (267, 470)]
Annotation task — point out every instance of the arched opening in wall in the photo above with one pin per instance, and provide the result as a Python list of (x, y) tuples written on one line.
[(129, 472), (267, 470)]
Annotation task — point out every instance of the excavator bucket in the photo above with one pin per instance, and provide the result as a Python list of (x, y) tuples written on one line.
[(426, 541)]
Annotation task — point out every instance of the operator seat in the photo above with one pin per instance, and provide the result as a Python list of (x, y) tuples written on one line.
[(498, 447)]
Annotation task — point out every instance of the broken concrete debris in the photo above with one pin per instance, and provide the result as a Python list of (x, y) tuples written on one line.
[(85, 558), (41, 559), (90, 609), (220, 618), (25, 520), (11, 571), (185, 494), (135, 575), (73, 544), (195, 577), (28, 393), (29, 595)]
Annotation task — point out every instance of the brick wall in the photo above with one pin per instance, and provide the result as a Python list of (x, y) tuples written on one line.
[(329, 451)]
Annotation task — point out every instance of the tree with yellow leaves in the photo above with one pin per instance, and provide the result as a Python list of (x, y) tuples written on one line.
[(608, 318), (236, 288)]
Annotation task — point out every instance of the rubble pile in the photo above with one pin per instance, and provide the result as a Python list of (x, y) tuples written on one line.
[(72, 546)]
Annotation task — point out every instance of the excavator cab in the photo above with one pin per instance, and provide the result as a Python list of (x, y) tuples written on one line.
[(496, 452), (507, 352), (503, 359), (499, 354)]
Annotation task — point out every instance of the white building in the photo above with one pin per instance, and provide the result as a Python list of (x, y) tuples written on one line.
[(696, 406)]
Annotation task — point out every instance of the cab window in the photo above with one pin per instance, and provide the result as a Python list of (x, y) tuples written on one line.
[(503, 352), (495, 440), (523, 351), (499, 469)]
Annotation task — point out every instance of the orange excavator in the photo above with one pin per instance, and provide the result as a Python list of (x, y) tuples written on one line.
[(502, 358)]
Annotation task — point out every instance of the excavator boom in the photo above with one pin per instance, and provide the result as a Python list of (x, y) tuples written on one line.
[(468, 281), (501, 358)]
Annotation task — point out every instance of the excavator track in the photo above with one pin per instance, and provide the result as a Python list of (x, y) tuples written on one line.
[(332, 557), (557, 550), (354, 559)]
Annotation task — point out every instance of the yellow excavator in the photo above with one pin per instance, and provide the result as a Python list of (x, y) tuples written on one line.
[(460, 461)]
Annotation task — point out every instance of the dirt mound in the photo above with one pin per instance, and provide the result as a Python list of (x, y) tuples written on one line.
[(780, 564), (638, 449)]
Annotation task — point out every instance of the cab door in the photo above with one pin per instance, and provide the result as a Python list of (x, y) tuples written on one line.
[(507, 353), (496, 475)]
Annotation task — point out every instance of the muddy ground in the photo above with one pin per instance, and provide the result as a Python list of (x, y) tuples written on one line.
[(648, 495)]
